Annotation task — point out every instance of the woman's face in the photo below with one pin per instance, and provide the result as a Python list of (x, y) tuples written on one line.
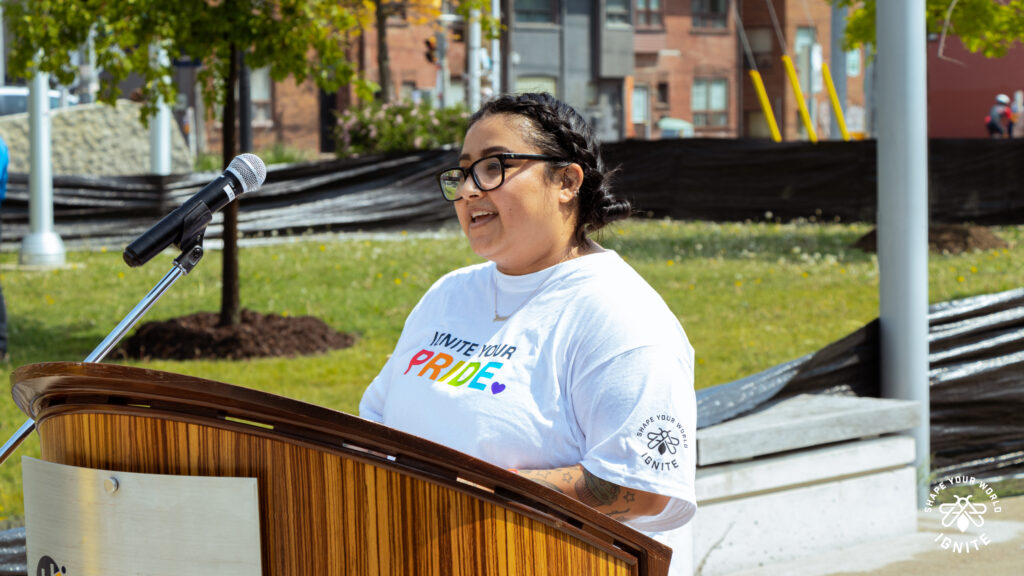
[(527, 223)]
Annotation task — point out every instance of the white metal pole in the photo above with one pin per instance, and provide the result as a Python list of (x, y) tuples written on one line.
[(160, 127), (42, 246), (87, 73), (160, 140), (837, 57), (444, 77), (903, 213), (496, 51), (473, 72)]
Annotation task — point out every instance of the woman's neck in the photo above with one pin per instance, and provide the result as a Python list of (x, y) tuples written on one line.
[(572, 251)]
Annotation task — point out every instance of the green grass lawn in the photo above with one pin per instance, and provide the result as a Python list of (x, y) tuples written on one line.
[(750, 296)]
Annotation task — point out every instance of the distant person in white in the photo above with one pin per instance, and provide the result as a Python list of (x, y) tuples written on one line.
[(554, 359)]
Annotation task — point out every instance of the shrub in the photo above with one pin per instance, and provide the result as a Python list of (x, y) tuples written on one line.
[(376, 127), (277, 153)]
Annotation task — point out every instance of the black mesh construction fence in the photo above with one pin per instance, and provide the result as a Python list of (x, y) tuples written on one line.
[(359, 194), (977, 181), (976, 383)]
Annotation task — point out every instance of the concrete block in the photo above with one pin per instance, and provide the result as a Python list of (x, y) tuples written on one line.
[(777, 526), (94, 140), (800, 422), (738, 480)]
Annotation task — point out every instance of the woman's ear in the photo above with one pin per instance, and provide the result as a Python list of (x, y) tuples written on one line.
[(572, 179)]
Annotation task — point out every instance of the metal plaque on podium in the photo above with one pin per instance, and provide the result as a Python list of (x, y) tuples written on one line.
[(85, 521)]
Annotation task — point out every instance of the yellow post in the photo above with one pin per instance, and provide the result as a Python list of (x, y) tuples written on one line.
[(791, 72), (836, 106), (765, 105)]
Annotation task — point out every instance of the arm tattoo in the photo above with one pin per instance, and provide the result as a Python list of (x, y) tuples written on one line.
[(594, 491), (547, 484), (620, 515), (541, 477)]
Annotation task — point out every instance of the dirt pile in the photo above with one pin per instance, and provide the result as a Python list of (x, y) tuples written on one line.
[(946, 238), (198, 336)]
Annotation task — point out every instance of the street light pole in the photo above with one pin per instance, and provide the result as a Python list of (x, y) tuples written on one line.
[(473, 64), (42, 246), (903, 214), (496, 51)]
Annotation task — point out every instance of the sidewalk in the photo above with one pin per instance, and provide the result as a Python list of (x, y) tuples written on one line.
[(920, 553)]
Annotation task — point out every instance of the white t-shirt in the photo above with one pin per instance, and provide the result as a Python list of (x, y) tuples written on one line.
[(592, 369)]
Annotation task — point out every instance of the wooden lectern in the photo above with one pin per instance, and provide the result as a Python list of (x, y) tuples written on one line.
[(338, 495)]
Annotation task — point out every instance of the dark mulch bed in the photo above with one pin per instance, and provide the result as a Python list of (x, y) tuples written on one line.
[(198, 336), (946, 238)]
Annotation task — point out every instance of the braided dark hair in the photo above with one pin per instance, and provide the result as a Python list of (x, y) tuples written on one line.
[(557, 129)]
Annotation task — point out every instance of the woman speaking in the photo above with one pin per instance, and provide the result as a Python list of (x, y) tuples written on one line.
[(554, 358)]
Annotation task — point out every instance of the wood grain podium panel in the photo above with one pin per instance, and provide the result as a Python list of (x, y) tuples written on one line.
[(338, 495)]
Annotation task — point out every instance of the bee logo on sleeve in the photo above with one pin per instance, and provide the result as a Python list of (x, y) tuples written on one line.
[(662, 441), (662, 436)]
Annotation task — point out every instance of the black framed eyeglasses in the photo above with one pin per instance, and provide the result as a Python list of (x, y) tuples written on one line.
[(488, 173)]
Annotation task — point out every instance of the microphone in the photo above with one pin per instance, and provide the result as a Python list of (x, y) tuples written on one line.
[(245, 174)]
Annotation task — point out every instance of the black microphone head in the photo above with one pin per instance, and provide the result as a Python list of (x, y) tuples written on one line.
[(250, 171)]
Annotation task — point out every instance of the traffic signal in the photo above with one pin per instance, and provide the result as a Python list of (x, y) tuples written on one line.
[(431, 53)]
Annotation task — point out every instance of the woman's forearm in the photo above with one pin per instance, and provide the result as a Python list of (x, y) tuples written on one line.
[(616, 501)]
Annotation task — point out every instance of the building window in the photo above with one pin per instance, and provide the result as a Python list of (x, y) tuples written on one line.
[(709, 13), (710, 103), (649, 14), (260, 93), (537, 84), (397, 14), (757, 125), (535, 11), (408, 90), (641, 104), (762, 43), (662, 100), (617, 12)]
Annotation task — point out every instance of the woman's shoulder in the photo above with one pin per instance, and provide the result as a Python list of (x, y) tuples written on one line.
[(465, 278), (618, 310), (470, 273), (609, 280), (611, 290)]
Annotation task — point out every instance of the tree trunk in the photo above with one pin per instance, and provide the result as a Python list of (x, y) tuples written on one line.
[(387, 90), (230, 306)]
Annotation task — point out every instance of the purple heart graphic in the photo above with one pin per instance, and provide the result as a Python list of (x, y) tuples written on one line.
[(497, 387)]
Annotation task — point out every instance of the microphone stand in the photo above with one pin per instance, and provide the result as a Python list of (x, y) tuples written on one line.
[(191, 253)]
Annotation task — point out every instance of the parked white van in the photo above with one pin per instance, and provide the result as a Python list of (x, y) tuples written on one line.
[(14, 99)]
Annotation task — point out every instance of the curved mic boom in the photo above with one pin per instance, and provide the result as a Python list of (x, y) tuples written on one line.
[(245, 174)]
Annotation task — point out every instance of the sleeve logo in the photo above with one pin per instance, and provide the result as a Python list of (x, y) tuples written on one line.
[(663, 441), (662, 435)]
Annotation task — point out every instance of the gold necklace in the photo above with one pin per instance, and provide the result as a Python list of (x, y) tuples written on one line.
[(494, 280)]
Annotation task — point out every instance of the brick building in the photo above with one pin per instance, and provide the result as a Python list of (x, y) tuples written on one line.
[(303, 116), (806, 28), (686, 56), (692, 69), (634, 68)]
